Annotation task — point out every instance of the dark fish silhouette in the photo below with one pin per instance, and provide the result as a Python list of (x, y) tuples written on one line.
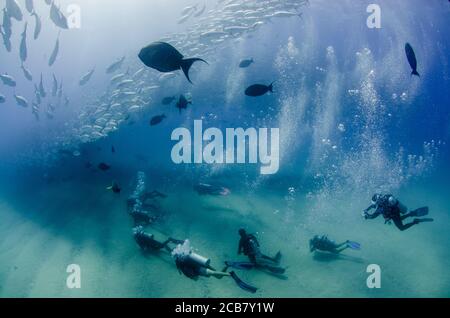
[(113, 150), (411, 59), (157, 120), (165, 58), (104, 167), (258, 90), (168, 100), (246, 63), (183, 103)]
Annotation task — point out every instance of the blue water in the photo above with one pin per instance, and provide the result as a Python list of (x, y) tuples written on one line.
[(352, 122)]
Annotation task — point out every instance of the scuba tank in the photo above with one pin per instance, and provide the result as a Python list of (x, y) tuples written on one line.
[(198, 259)]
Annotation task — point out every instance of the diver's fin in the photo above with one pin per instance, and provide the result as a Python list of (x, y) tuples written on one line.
[(354, 245), (242, 284), (414, 72), (424, 220), (274, 269), (240, 265), (186, 65), (420, 212), (278, 257)]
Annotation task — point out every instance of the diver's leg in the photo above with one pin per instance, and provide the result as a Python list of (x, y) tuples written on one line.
[(405, 216), (268, 258), (399, 224), (216, 274), (341, 247)]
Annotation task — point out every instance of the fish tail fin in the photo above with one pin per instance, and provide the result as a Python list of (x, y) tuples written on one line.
[(186, 65), (414, 72)]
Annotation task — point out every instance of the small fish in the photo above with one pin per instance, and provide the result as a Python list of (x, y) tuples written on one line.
[(115, 66), (157, 120), (60, 90), (182, 103), (58, 17), (103, 166), (246, 63), (26, 73), (6, 40), (14, 10), (21, 101), (2, 99), (258, 90), (54, 54), (23, 45), (38, 27), (411, 59), (41, 88), (86, 77), (54, 86), (8, 80), (29, 5), (113, 149)]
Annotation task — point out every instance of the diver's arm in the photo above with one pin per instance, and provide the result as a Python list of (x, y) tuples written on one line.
[(369, 216), (241, 246)]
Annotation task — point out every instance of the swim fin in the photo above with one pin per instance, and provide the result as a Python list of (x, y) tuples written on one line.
[(274, 269), (424, 220), (242, 284), (354, 245), (420, 212), (240, 265)]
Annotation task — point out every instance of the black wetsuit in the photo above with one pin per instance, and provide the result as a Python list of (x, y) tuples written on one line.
[(390, 212), (249, 246), (147, 242), (325, 244)]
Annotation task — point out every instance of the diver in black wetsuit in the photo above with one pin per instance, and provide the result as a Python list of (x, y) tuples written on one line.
[(323, 243), (249, 246), (392, 210), (147, 241)]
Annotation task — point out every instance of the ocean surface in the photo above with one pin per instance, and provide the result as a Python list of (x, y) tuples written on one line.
[(352, 122)]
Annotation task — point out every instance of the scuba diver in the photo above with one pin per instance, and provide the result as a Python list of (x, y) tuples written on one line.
[(249, 246), (324, 244), (392, 210), (208, 189), (147, 241), (193, 265), (141, 217)]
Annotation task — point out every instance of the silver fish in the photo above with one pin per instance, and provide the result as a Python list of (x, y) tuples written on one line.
[(115, 66), (41, 88), (38, 27), (26, 73), (23, 45), (8, 80), (58, 17), (86, 77), (21, 101), (54, 86), (14, 10), (29, 5), (54, 55)]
